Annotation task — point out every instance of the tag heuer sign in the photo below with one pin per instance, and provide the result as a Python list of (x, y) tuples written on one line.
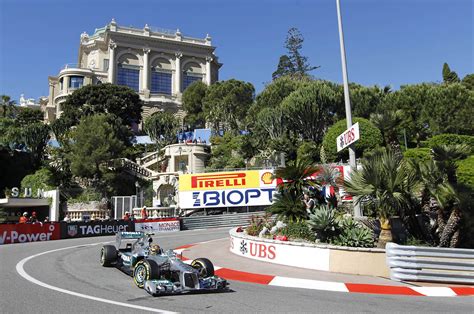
[(349, 136), (72, 230)]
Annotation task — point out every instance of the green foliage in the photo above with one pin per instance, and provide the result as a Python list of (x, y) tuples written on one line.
[(449, 109), (287, 207), (162, 127), (94, 143), (41, 179), (370, 138), (116, 100), (226, 104), (450, 139), (384, 182), (465, 171), (308, 150), (87, 195), (299, 229), (449, 76), (366, 100), (284, 67), (354, 234), (26, 116), (468, 82), (311, 109), (417, 154), (323, 222), (228, 151), (193, 96), (445, 157)]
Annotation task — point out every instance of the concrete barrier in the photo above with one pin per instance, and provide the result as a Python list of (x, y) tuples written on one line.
[(358, 261)]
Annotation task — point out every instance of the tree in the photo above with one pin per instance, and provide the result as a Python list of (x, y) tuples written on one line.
[(162, 127), (28, 115), (386, 183), (7, 106), (226, 104), (448, 108), (94, 144), (387, 122), (449, 76), (367, 100), (110, 99), (285, 67), (293, 63), (311, 109), (370, 138), (192, 104), (41, 179)]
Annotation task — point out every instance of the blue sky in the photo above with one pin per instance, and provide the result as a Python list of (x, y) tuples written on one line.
[(388, 42)]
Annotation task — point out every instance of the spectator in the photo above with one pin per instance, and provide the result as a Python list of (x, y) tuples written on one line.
[(155, 214), (33, 218), (309, 202), (67, 218), (143, 213), (47, 219), (199, 140), (24, 218), (195, 141), (126, 217)]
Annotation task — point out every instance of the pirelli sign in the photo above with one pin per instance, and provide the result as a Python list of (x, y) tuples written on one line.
[(227, 189)]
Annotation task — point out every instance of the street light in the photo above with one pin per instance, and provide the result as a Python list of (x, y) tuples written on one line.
[(137, 186), (347, 100)]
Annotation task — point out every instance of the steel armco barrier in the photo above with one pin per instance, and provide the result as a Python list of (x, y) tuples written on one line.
[(415, 263), (217, 221)]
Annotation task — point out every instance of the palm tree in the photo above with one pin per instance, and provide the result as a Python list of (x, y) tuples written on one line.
[(445, 157), (7, 105), (330, 177), (296, 179), (388, 122), (385, 183)]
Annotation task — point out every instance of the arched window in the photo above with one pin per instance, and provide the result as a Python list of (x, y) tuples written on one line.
[(161, 77), (128, 72), (192, 73)]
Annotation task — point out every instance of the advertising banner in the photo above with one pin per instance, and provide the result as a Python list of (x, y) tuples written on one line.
[(227, 189), (280, 253), (348, 137), (157, 225), (20, 233), (94, 228)]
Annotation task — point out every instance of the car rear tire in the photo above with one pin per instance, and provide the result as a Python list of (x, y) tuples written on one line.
[(108, 255), (145, 270), (204, 266)]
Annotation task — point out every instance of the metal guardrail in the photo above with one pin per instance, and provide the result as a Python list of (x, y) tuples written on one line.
[(217, 221), (415, 263)]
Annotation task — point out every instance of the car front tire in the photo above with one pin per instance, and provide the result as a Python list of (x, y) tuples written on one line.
[(204, 266), (108, 255), (145, 270)]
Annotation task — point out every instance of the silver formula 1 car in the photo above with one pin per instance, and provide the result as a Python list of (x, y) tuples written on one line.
[(156, 271)]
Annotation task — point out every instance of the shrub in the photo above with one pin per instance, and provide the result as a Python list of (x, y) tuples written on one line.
[(308, 150), (418, 154), (41, 179), (465, 171), (298, 230), (450, 139), (257, 223), (370, 138), (88, 195)]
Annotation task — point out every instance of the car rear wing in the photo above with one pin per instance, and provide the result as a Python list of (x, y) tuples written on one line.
[(130, 235)]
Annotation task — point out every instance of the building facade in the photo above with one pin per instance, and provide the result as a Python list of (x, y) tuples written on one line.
[(158, 64)]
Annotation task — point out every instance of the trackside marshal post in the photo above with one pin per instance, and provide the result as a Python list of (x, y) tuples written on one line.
[(351, 135)]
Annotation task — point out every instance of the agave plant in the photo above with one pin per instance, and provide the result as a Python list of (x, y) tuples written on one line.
[(323, 222)]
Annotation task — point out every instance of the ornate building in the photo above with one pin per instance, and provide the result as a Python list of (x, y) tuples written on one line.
[(158, 64)]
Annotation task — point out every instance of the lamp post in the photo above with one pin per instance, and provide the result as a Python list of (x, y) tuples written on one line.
[(347, 100), (137, 187)]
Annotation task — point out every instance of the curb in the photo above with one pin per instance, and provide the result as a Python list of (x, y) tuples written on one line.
[(279, 281)]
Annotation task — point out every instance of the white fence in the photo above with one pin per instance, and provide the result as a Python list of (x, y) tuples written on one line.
[(415, 263)]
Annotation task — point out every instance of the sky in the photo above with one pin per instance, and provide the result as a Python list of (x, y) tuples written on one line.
[(388, 42)]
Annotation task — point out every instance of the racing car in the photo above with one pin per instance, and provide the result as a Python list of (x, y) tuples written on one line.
[(157, 271)]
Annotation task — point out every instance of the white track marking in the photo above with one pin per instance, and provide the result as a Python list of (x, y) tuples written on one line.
[(20, 269), (435, 291), (308, 284)]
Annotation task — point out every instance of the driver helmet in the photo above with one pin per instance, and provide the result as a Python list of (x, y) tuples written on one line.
[(155, 249)]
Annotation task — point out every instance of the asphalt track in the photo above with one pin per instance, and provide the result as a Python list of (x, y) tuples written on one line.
[(65, 277)]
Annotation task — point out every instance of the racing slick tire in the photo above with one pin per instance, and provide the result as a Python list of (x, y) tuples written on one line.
[(204, 266), (108, 255), (145, 270)]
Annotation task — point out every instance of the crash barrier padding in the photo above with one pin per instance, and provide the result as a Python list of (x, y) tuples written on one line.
[(20, 233), (94, 228), (417, 263)]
